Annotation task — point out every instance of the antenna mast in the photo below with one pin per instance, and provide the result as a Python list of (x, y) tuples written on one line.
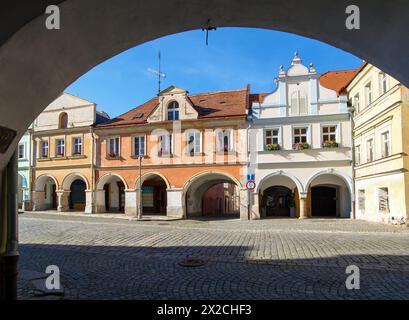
[(158, 72)]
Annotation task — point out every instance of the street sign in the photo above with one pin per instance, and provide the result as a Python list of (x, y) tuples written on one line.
[(251, 177), (250, 185)]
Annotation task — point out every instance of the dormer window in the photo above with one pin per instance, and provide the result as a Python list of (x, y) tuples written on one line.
[(63, 121), (173, 111)]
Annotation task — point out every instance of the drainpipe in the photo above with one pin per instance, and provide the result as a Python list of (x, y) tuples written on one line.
[(352, 123), (93, 160), (9, 231), (249, 119)]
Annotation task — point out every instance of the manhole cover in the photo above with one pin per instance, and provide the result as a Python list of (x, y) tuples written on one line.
[(192, 262)]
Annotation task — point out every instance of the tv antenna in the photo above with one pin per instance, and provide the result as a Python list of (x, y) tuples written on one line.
[(158, 72)]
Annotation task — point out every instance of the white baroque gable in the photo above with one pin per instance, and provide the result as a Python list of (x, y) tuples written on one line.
[(169, 95)]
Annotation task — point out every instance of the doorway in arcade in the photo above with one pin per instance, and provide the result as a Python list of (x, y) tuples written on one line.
[(154, 201)]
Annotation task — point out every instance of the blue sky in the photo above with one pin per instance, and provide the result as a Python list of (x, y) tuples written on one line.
[(233, 58)]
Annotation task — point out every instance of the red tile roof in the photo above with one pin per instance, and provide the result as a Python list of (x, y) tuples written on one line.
[(209, 105), (340, 79)]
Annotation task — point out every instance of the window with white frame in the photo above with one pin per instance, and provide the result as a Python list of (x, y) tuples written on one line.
[(114, 147), (194, 143), (224, 141), (329, 133), (44, 149), (368, 93), (60, 147), (369, 150), (356, 103), (358, 155), (300, 135), (272, 136), (173, 111), (165, 145), (385, 144), (21, 151), (383, 82), (383, 199), (299, 103), (139, 146), (361, 200), (77, 146)]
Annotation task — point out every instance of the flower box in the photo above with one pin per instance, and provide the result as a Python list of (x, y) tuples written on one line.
[(301, 146), (273, 147), (330, 144)]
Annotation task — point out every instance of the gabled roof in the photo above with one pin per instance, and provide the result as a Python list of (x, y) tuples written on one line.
[(230, 103), (339, 80)]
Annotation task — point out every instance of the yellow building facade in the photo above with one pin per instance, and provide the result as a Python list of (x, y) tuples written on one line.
[(381, 146), (64, 153)]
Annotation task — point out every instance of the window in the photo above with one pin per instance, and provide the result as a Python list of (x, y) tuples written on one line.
[(329, 134), (356, 103), (300, 135), (361, 200), (369, 150), (139, 146), (298, 103), (272, 136), (368, 93), (173, 111), (21, 151), (194, 142), (385, 144), (63, 120), (383, 83), (224, 141), (358, 155), (60, 147), (165, 145), (383, 199), (44, 149), (113, 148), (77, 146)]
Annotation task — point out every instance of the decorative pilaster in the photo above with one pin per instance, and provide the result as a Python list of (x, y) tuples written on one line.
[(63, 200)]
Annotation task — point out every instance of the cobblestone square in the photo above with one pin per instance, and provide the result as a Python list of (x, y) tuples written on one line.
[(107, 258)]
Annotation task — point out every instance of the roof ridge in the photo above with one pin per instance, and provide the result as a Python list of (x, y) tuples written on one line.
[(216, 92)]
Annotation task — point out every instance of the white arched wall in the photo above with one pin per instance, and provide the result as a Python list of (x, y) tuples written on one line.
[(29, 82)]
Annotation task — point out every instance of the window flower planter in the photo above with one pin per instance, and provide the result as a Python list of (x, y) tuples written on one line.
[(273, 147), (301, 146), (330, 144)]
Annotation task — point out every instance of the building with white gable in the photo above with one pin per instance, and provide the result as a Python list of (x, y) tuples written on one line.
[(300, 145)]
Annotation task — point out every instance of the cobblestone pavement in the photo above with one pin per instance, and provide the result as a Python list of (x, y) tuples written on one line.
[(102, 258)]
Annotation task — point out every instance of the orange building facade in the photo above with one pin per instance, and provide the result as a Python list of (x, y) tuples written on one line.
[(186, 145)]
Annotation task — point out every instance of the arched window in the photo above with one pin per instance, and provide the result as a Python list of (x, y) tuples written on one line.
[(63, 121), (173, 111), (299, 103)]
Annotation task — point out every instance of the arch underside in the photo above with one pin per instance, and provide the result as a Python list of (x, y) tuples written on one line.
[(78, 46)]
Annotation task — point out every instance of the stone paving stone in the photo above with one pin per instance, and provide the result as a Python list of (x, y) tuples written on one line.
[(102, 258)]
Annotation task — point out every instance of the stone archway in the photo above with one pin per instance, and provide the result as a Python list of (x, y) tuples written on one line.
[(278, 195), (329, 194), (75, 194), (110, 194), (222, 192), (45, 193)]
